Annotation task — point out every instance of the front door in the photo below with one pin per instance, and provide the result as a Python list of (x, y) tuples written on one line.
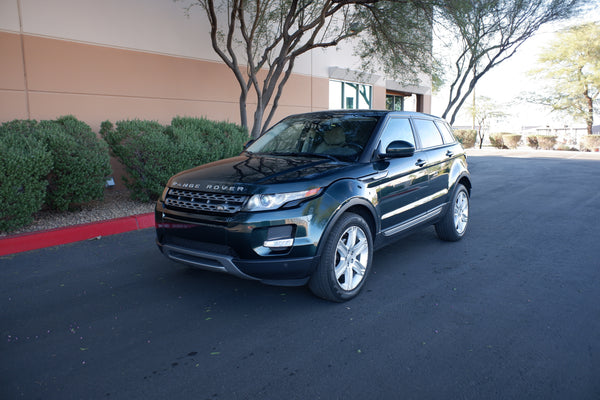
[(406, 181)]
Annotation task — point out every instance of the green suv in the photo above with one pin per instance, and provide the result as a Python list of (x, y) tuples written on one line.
[(311, 199)]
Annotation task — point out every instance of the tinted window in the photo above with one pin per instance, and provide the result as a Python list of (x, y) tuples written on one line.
[(446, 132), (396, 129), (428, 133), (341, 135)]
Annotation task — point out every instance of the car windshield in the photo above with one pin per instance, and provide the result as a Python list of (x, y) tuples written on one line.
[(339, 136)]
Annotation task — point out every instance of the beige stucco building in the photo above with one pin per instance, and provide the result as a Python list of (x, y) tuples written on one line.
[(125, 59)]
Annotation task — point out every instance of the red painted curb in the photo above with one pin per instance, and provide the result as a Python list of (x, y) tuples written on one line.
[(76, 233)]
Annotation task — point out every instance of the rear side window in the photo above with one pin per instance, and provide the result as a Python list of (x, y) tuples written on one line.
[(428, 133), (396, 129), (446, 132)]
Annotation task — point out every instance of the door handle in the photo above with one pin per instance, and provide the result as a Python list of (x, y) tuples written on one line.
[(373, 177), (420, 162), (449, 153)]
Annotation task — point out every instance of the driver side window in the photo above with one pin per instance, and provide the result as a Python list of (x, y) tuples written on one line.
[(396, 129)]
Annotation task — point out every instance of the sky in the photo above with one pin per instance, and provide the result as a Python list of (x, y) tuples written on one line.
[(505, 83)]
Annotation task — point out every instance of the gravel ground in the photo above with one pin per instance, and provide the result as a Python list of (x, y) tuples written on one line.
[(116, 204)]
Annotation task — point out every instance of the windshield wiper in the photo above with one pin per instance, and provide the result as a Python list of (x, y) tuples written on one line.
[(298, 154)]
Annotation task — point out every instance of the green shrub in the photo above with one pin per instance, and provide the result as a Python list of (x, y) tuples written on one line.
[(466, 137), (546, 142), (81, 163), (511, 140), (146, 150), (496, 141), (591, 142), (218, 139), (152, 153), (533, 142), (80, 160), (24, 164)]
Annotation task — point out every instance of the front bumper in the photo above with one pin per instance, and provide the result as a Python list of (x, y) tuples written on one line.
[(288, 272), (235, 244)]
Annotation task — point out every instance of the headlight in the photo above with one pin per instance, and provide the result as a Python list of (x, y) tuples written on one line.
[(261, 202), (164, 193)]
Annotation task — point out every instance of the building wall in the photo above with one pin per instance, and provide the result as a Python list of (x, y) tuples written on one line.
[(96, 83), (125, 59)]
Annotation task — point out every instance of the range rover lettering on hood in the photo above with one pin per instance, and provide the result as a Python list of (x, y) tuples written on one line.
[(202, 186)]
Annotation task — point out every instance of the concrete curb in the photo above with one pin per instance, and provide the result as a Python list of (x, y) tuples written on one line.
[(75, 233)]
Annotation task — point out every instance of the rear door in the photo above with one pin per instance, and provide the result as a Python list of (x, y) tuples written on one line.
[(438, 145)]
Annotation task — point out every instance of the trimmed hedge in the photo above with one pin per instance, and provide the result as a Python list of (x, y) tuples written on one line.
[(152, 153), (497, 141), (511, 140), (78, 167), (591, 142), (533, 142), (24, 164), (546, 142), (466, 137), (81, 163)]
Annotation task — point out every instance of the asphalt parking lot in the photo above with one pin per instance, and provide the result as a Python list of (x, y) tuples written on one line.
[(510, 312)]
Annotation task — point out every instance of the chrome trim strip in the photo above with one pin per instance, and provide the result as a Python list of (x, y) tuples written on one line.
[(414, 221), (416, 204)]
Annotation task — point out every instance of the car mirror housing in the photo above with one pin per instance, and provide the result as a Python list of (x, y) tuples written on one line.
[(400, 148)]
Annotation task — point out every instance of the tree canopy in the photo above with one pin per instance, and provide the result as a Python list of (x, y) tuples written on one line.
[(487, 33), (269, 35), (571, 66), (260, 40)]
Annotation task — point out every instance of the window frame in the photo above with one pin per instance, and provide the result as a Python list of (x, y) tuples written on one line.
[(420, 136), (415, 142), (361, 91), (445, 126), (395, 98)]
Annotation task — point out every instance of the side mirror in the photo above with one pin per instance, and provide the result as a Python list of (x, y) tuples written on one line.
[(248, 143), (400, 148)]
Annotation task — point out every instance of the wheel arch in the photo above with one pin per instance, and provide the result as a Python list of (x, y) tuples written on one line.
[(459, 174), (357, 206), (466, 182)]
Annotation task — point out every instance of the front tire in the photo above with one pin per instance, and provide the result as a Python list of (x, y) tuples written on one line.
[(453, 225), (345, 260)]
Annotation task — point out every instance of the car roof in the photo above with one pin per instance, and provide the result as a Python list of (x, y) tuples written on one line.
[(374, 113)]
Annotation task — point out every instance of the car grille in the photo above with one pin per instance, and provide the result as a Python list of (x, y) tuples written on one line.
[(204, 202)]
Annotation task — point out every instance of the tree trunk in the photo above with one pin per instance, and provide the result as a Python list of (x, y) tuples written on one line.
[(590, 114), (243, 112), (481, 137), (257, 126)]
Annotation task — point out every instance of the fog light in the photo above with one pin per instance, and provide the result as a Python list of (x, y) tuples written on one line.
[(279, 243)]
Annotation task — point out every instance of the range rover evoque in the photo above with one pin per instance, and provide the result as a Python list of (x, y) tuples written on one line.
[(311, 199)]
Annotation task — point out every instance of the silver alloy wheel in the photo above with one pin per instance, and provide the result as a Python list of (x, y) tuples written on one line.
[(351, 258), (461, 212)]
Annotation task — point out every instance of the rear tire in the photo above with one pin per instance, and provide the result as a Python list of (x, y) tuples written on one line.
[(453, 225), (345, 260)]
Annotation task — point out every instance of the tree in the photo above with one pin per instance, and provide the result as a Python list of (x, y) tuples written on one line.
[(483, 111), (572, 66), (488, 33), (260, 40)]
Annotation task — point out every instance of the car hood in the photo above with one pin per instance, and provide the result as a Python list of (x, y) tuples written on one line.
[(252, 173)]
